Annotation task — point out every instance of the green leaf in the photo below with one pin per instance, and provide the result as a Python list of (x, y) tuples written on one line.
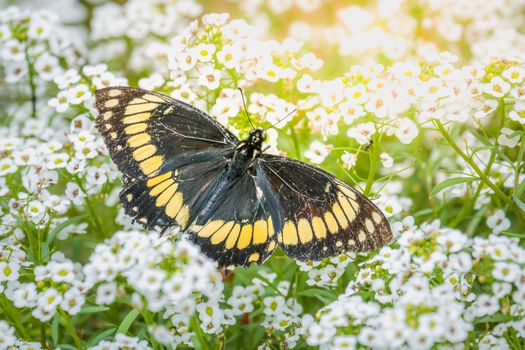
[(101, 336), (72, 221), (520, 235), (519, 202), (520, 189), (324, 295), (451, 182), (127, 321), (423, 212), (93, 309), (55, 328), (498, 318), (66, 346)]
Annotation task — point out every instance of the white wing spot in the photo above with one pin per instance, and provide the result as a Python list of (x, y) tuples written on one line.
[(369, 225), (376, 217)]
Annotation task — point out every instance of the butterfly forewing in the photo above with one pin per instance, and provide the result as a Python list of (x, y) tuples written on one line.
[(167, 151), (146, 132), (322, 216)]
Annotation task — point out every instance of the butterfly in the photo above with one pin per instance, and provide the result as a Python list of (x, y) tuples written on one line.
[(182, 168)]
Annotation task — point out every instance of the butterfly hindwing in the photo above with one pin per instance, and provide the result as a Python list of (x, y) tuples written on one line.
[(322, 216), (148, 132), (174, 197), (236, 228)]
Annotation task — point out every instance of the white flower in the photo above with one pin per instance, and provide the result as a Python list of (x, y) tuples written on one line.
[(49, 299), (61, 271), (501, 289), (204, 52), (5, 32), (78, 94), (507, 272), (73, 301), (176, 288), (317, 152), (518, 113), (39, 29), (273, 305), (106, 293), (386, 160), (12, 50), (7, 166), (320, 334), (406, 130), (57, 160), (150, 280), (210, 78), (9, 271), (60, 103), (497, 87), (509, 138), (485, 305), (230, 56), (47, 67), (362, 133), (342, 342), (7, 335), (349, 159), (514, 74), (498, 221)]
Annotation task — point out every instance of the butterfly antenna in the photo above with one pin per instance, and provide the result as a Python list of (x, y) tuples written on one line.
[(277, 122), (246, 109)]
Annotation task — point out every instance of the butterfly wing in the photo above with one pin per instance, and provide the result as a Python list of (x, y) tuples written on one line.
[(174, 197), (236, 227), (321, 215), (148, 133), (171, 154)]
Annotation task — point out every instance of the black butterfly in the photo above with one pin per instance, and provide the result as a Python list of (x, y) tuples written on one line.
[(183, 168)]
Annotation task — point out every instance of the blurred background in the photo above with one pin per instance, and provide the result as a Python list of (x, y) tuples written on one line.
[(341, 33)]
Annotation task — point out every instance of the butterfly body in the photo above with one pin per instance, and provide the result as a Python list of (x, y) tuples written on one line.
[(183, 168)]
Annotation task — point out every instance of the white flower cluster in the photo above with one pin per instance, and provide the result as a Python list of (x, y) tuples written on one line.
[(159, 275), (43, 160), (396, 29), (58, 284), (374, 100), (424, 290), (227, 54), (122, 342), (9, 341), (76, 87), (150, 24), (32, 46)]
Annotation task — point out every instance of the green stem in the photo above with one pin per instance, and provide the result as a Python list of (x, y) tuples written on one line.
[(470, 205), (31, 84), (43, 337), (520, 158), (13, 315), (295, 142), (373, 165), (89, 205), (66, 322), (480, 173)]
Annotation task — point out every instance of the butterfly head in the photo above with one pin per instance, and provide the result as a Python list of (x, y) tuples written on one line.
[(256, 138)]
